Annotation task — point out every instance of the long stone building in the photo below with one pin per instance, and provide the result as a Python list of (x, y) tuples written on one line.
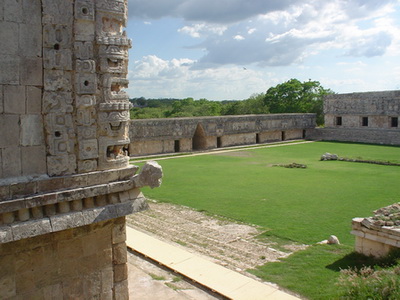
[(65, 179), (370, 117), (152, 136)]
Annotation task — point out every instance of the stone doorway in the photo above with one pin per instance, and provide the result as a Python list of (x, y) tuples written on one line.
[(199, 140)]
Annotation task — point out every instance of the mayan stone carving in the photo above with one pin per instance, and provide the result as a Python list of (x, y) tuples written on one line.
[(86, 109)]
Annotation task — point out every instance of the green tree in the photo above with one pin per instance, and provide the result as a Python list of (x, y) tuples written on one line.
[(294, 96)]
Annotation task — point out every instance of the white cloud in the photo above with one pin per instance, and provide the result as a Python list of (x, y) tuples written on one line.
[(155, 77), (202, 29), (238, 37)]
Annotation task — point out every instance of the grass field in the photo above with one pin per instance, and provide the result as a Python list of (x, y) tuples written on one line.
[(303, 205)]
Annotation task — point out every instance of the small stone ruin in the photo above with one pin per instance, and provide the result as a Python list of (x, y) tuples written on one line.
[(379, 234)]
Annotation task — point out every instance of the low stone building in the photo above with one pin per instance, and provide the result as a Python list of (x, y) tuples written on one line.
[(371, 117), (65, 179), (153, 136)]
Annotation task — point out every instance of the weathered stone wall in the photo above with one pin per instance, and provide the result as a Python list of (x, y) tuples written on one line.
[(88, 262), (21, 82), (186, 134), (65, 179), (371, 117)]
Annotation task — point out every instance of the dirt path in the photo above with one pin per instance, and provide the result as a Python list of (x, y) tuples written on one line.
[(227, 243)]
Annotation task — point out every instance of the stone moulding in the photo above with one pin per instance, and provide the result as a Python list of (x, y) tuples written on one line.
[(93, 198)]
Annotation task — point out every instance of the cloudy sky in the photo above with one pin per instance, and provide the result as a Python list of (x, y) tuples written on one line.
[(231, 49)]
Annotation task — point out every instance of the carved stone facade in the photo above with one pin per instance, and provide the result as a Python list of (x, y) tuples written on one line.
[(187, 134), (371, 117), (65, 180)]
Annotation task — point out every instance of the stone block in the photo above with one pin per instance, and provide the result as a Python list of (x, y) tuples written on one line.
[(121, 291), (107, 282), (8, 286), (61, 165), (9, 69), (9, 133), (1, 100), (84, 50), (33, 100), (57, 12), (31, 71), (67, 221), (30, 40), (31, 228), (4, 189), (88, 149), (32, 130), (57, 80), (13, 11), (120, 272), (84, 10), (11, 157), (32, 11), (53, 292), (9, 33), (119, 253), (59, 59), (73, 288), (20, 190), (84, 31), (14, 99), (5, 235), (86, 84), (119, 233)]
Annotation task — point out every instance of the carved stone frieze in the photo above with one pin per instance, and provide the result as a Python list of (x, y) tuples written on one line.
[(88, 149), (61, 165), (85, 66), (84, 10), (84, 50), (57, 36), (57, 102)]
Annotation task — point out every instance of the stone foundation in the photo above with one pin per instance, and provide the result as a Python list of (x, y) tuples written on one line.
[(374, 240), (88, 262)]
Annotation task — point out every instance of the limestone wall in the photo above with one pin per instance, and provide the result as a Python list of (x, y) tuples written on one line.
[(65, 179), (82, 263), (186, 134), (21, 85), (371, 117)]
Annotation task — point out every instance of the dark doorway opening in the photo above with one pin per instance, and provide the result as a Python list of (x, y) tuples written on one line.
[(365, 121), (177, 145), (199, 141), (338, 121), (395, 122), (283, 136), (304, 133), (219, 142), (257, 138)]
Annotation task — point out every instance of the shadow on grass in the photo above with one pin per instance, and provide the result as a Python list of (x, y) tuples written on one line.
[(356, 260)]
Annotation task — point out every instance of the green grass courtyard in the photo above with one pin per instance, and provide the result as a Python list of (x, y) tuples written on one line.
[(302, 205)]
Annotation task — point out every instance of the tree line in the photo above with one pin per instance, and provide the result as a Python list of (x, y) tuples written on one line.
[(291, 96)]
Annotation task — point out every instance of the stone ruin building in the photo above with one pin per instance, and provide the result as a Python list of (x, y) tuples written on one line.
[(370, 117), (65, 179), (153, 136)]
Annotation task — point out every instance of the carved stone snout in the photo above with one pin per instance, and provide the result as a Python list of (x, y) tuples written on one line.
[(150, 175)]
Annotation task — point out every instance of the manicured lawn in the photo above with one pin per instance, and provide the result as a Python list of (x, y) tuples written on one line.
[(303, 205)]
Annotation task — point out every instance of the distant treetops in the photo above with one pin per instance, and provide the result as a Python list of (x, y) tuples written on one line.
[(291, 96)]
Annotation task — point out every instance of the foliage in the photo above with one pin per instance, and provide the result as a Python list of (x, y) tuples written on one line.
[(371, 282), (294, 96)]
